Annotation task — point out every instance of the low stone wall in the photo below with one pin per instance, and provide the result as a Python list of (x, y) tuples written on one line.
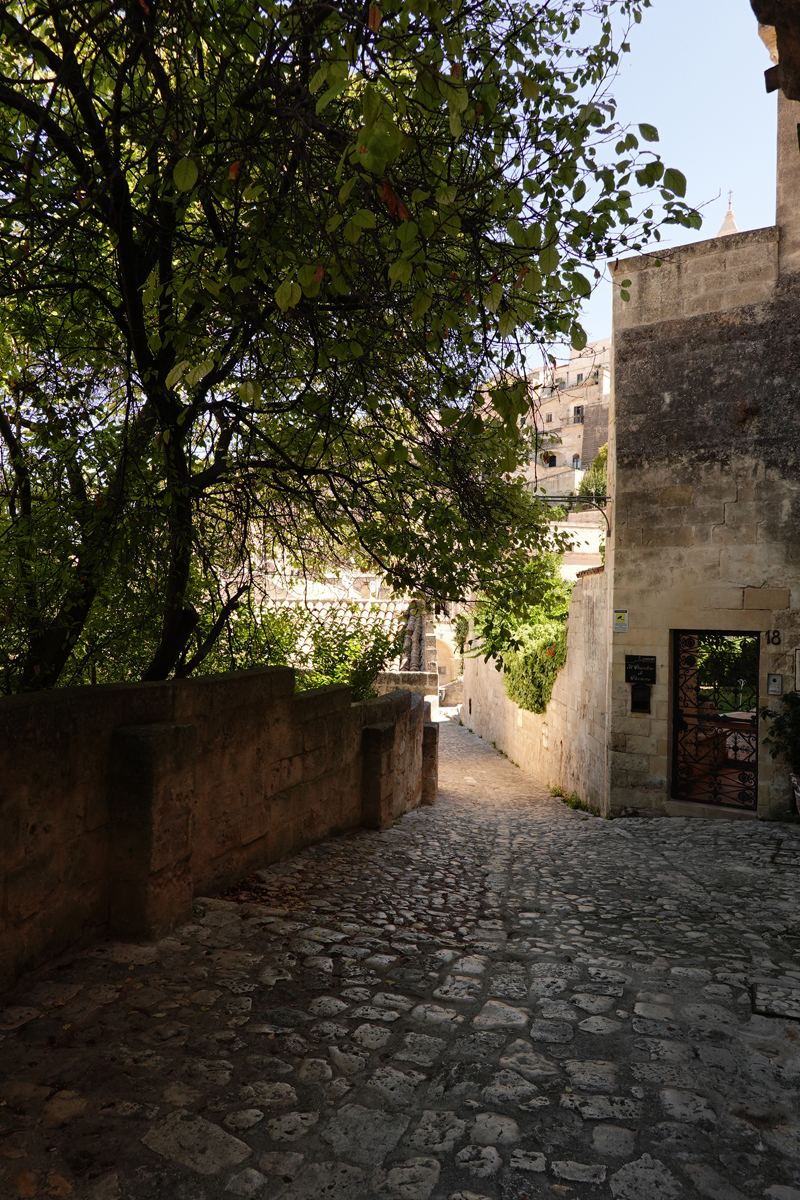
[(118, 803), (452, 693), (426, 683), (565, 746)]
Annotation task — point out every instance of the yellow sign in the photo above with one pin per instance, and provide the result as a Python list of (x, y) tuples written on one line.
[(620, 620)]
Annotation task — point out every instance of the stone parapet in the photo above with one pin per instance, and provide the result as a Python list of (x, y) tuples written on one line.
[(119, 803), (426, 683)]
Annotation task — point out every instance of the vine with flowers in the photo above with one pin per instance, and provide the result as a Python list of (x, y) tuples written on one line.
[(525, 632)]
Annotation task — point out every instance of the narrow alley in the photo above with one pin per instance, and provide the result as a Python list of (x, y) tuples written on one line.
[(498, 999)]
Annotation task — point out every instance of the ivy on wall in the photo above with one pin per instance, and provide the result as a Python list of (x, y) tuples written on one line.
[(530, 672), (526, 634)]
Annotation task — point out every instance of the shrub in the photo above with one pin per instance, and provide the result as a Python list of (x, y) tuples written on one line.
[(527, 641)]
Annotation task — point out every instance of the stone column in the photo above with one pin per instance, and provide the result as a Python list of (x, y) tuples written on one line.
[(377, 780), (151, 793), (430, 762)]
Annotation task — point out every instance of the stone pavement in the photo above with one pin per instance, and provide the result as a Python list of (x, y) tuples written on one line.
[(499, 998)]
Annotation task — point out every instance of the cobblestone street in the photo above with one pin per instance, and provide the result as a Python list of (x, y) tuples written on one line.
[(498, 998)]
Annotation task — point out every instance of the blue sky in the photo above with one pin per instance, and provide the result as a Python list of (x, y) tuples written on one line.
[(696, 72)]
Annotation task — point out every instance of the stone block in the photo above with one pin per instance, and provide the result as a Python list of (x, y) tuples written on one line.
[(668, 535), (151, 799), (627, 537), (430, 762), (30, 887), (311, 705), (676, 497), (773, 599)]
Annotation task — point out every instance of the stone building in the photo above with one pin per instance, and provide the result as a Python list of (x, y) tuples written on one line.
[(694, 622), (571, 415)]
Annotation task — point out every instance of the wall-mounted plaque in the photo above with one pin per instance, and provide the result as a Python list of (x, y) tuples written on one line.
[(620, 620), (640, 668)]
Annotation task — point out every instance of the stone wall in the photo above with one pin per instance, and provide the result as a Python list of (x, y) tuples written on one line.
[(425, 683), (705, 472), (566, 746), (117, 803), (595, 432)]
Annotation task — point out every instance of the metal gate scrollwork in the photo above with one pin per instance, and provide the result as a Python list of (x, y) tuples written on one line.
[(715, 718)]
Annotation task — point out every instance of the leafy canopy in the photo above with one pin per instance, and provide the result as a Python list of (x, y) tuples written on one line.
[(256, 262)]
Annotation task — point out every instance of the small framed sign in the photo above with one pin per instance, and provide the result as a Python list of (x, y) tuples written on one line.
[(640, 668), (620, 620)]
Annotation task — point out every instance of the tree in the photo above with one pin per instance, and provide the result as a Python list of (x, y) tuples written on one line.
[(595, 481), (256, 261)]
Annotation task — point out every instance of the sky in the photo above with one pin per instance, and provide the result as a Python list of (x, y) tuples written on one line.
[(696, 72)]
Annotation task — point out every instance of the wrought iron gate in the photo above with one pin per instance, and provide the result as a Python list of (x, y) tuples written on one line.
[(715, 718)]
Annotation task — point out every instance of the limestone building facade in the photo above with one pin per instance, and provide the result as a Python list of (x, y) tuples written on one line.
[(570, 403), (694, 622)]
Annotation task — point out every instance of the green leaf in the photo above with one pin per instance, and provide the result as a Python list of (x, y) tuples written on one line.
[(200, 371), (449, 416), (176, 373), (579, 191), (249, 392), (331, 93), (333, 222), (317, 80), (364, 219), (548, 260), (581, 284), (649, 133), (400, 271), (185, 174), (421, 304), (578, 337), (493, 297), (287, 295), (371, 104), (675, 181), (346, 189)]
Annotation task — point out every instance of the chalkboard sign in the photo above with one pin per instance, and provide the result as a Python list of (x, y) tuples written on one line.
[(640, 668)]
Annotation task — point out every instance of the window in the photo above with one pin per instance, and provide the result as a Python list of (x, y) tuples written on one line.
[(549, 417), (551, 460), (577, 414), (579, 378), (522, 420), (576, 462), (561, 383)]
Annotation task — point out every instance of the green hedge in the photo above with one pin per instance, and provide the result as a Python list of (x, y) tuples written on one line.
[(530, 671)]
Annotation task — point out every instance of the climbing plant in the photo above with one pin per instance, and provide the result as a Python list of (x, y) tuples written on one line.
[(595, 481), (527, 639)]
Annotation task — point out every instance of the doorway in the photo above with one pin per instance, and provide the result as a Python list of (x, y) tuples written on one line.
[(715, 718)]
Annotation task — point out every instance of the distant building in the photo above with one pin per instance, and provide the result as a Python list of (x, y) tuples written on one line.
[(570, 412)]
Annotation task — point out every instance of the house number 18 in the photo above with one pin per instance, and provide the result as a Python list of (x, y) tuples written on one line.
[(773, 637)]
